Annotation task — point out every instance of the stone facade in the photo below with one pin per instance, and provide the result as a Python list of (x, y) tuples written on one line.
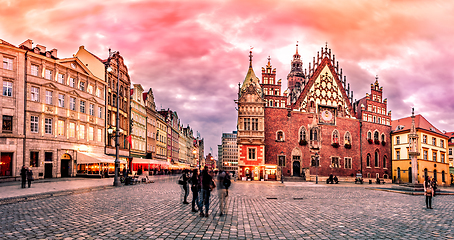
[(316, 132), (138, 123), (60, 110), (228, 152)]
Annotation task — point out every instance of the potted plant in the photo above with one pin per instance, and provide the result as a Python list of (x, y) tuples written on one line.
[(348, 146), (370, 141), (303, 142), (335, 145), (377, 141), (383, 143)]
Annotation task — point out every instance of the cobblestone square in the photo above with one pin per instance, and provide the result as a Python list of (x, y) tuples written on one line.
[(256, 210)]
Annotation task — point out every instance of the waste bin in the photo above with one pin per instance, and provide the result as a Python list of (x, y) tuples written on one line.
[(128, 181), (370, 181)]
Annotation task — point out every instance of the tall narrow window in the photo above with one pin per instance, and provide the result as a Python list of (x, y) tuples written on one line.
[(442, 156), (100, 112), (314, 134), (90, 88), (72, 104), (7, 123), (82, 106), (34, 124), (434, 156), (48, 97), (91, 109), (376, 159), (61, 78), (48, 74), (34, 159), (61, 128), (34, 70), (247, 124), (251, 153), (90, 133), (7, 89), (81, 131), (99, 138), (302, 134), (61, 100), (368, 160), (72, 82), (335, 136), (7, 63), (348, 163), (35, 94), (347, 138), (397, 140), (48, 125), (425, 156), (82, 86), (72, 129), (384, 162), (397, 155), (255, 124)]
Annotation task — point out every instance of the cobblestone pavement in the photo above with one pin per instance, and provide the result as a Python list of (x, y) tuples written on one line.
[(255, 211)]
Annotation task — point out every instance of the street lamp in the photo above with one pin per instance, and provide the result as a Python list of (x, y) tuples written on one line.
[(116, 54), (316, 167)]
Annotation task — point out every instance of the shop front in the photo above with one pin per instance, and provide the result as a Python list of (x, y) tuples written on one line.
[(97, 165), (251, 173), (270, 172)]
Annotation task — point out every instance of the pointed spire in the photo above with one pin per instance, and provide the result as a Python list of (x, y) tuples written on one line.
[(296, 47), (250, 57), (269, 62)]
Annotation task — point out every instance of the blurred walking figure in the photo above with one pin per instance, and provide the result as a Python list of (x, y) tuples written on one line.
[(195, 187), (29, 177), (23, 174), (185, 179), (207, 185), (223, 186)]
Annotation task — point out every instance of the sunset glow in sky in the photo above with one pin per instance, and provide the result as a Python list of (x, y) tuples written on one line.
[(194, 53)]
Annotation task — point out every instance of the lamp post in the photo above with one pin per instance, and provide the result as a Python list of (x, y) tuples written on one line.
[(116, 54), (316, 167), (281, 163)]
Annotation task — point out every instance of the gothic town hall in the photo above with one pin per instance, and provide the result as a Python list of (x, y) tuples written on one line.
[(312, 129)]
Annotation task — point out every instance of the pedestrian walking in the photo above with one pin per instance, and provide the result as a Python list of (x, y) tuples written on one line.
[(23, 174), (223, 186), (195, 187), (29, 177), (184, 177), (207, 185), (428, 192), (434, 186)]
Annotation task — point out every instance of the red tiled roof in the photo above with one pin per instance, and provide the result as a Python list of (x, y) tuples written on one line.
[(420, 122)]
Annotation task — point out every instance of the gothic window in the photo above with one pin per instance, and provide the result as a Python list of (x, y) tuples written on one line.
[(335, 137), (314, 133), (384, 161), (302, 133), (376, 136), (347, 138), (383, 137), (376, 159), (368, 160), (280, 136), (369, 135)]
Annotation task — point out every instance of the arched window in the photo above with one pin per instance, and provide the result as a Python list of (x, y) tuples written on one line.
[(314, 133), (435, 175), (280, 136), (368, 160), (347, 138), (335, 136), (398, 173), (369, 135), (302, 133), (271, 102), (443, 176), (376, 159), (376, 136), (384, 161), (383, 137)]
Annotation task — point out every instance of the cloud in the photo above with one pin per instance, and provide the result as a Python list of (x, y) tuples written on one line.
[(192, 52)]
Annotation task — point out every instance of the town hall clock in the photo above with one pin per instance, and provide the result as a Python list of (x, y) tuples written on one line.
[(327, 115)]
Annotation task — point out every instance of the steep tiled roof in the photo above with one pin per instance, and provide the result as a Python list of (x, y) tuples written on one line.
[(420, 122)]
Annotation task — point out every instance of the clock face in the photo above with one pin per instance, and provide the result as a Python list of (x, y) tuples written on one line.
[(327, 115)]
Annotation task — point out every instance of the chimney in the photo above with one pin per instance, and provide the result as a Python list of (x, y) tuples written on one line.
[(42, 49), (53, 52), (28, 44)]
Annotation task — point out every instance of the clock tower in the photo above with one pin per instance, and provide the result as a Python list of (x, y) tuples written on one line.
[(251, 134)]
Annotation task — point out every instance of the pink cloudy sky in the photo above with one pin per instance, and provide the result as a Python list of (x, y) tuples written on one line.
[(194, 53)]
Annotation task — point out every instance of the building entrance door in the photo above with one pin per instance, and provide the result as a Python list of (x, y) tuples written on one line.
[(296, 169), (48, 170), (64, 168), (410, 179)]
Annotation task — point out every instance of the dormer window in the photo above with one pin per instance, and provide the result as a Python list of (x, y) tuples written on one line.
[(400, 127)]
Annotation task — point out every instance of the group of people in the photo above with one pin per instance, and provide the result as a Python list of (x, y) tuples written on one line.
[(202, 184), (26, 175), (430, 185)]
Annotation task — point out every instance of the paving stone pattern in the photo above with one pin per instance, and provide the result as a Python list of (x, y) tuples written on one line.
[(255, 211)]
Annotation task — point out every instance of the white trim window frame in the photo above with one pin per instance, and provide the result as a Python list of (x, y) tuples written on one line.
[(72, 104), (91, 109), (61, 100), (35, 94), (7, 89), (61, 78), (82, 106), (48, 125), (72, 82), (48, 97), (7, 63), (34, 122), (34, 70), (48, 74)]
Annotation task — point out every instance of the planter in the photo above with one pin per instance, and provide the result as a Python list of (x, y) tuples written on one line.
[(335, 145), (383, 143), (303, 142), (370, 141), (348, 146), (377, 141)]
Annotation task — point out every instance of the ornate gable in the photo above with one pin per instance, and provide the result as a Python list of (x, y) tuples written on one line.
[(50, 85), (324, 88)]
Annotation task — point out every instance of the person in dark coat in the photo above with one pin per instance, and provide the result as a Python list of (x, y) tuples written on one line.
[(23, 174), (185, 179), (29, 177), (194, 180), (206, 181)]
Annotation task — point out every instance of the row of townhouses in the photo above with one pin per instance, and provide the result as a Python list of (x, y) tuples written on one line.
[(59, 117), (315, 128)]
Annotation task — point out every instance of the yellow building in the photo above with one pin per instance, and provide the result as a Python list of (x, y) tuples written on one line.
[(432, 149)]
